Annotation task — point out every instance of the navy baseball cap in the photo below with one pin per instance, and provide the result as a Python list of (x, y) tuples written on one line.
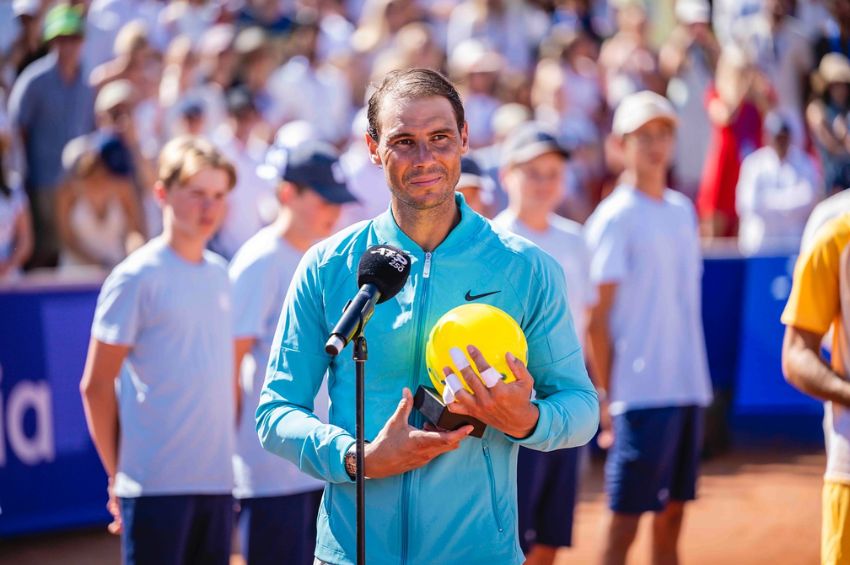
[(108, 147), (470, 173), (115, 155), (529, 141), (312, 164)]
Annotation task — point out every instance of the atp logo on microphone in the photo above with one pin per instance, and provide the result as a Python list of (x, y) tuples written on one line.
[(398, 261)]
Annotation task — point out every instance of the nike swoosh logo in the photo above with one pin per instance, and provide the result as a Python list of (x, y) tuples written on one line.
[(470, 297)]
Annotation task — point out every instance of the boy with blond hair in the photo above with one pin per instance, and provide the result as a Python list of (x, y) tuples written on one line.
[(162, 329)]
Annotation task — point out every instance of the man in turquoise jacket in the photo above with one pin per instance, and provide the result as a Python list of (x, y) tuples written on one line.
[(432, 496)]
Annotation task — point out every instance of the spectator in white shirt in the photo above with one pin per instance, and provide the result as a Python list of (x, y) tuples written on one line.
[(307, 89), (251, 204), (777, 189), (646, 335)]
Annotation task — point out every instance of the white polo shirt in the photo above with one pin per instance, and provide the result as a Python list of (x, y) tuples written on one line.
[(650, 249), (774, 198)]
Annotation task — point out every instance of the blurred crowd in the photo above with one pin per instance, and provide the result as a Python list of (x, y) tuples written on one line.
[(90, 91)]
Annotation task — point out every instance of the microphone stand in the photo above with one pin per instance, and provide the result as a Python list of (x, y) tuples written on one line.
[(360, 354)]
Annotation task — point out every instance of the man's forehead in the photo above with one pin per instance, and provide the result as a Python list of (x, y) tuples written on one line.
[(409, 114)]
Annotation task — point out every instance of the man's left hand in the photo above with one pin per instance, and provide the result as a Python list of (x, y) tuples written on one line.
[(506, 406)]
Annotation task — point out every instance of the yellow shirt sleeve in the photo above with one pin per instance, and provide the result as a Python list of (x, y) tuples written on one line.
[(814, 302)]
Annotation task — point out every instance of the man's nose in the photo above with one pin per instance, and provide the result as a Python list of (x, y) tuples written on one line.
[(424, 155)]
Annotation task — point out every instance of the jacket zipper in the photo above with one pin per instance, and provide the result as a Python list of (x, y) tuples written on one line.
[(405, 484), (486, 447)]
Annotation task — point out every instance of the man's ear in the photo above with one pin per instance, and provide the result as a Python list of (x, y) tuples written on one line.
[(160, 193), (464, 138), (374, 156), (285, 192)]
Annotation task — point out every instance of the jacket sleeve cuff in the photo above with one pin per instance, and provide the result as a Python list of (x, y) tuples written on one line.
[(541, 430), (342, 445)]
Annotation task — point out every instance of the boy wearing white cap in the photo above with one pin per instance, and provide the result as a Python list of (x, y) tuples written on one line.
[(645, 333)]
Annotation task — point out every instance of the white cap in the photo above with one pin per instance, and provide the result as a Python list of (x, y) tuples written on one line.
[(25, 7), (834, 68), (293, 134), (216, 39), (473, 56), (640, 108), (112, 94), (693, 11)]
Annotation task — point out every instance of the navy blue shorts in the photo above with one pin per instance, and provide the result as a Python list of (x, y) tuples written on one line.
[(177, 529), (654, 459), (546, 496), (279, 529)]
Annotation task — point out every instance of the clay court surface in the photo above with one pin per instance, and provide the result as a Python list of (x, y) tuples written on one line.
[(756, 507)]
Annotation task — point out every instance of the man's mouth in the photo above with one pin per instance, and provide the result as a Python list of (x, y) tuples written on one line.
[(425, 181)]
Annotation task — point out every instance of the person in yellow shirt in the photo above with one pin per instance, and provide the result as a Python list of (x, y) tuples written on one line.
[(820, 300)]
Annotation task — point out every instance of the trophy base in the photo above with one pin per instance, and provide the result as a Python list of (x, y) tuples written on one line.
[(430, 405)]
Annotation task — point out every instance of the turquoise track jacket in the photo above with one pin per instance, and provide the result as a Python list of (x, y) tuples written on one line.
[(461, 507)]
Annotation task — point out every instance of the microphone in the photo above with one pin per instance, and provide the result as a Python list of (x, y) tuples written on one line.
[(381, 274)]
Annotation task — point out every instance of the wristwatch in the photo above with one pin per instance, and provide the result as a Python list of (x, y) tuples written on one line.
[(351, 463)]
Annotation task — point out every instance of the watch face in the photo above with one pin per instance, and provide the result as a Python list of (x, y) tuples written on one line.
[(351, 464)]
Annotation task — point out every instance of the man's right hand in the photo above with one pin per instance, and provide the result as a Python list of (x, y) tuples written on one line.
[(114, 508), (399, 447)]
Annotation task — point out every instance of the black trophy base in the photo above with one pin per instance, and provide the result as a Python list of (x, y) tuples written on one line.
[(430, 405)]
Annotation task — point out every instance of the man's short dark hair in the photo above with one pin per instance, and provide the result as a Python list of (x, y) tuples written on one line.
[(412, 84)]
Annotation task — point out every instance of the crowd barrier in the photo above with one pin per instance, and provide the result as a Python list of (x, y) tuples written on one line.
[(50, 476)]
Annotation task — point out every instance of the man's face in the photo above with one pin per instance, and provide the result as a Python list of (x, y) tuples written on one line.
[(198, 206), (650, 148), (118, 118), (315, 217), (781, 143), (538, 183), (419, 147), (68, 47)]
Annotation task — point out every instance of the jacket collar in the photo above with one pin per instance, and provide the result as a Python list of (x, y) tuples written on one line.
[(470, 225)]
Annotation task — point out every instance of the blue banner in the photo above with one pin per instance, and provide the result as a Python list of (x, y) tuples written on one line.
[(50, 475), (760, 385)]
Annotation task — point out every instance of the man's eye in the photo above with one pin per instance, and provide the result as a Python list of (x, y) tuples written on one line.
[(405, 142)]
